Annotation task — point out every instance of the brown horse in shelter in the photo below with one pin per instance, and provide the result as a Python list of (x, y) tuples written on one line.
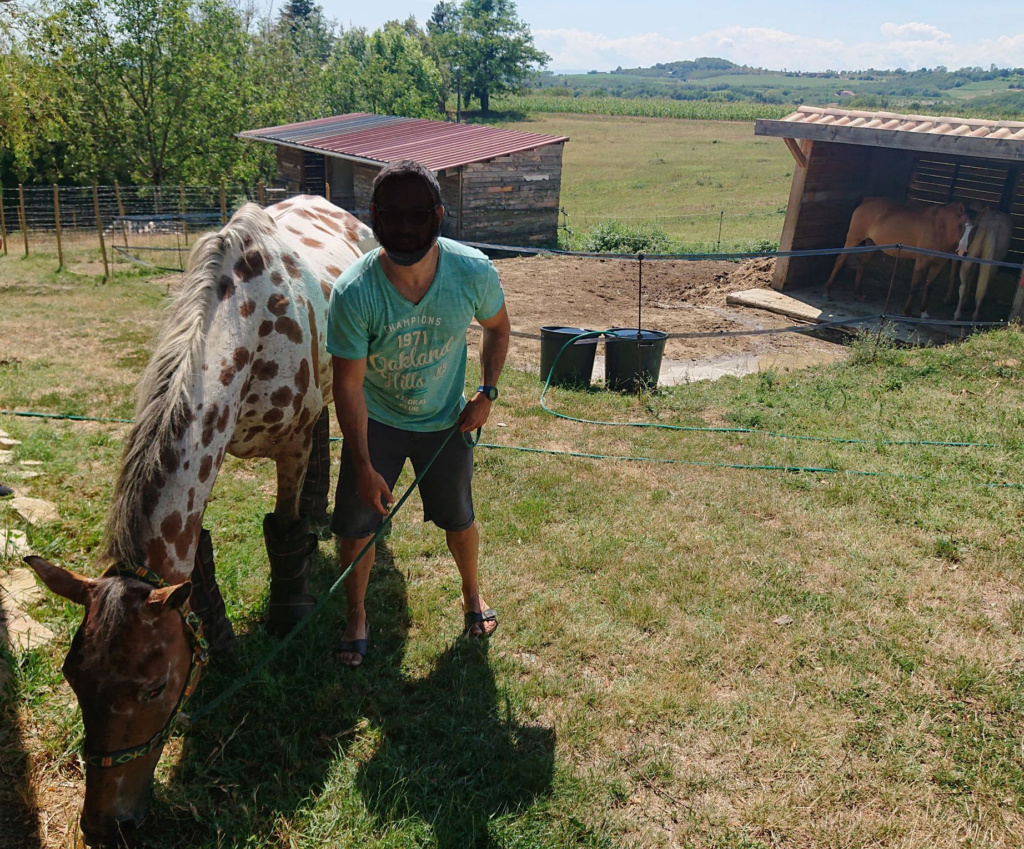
[(239, 368), (881, 221)]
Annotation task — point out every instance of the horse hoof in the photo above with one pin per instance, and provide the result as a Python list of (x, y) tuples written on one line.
[(925, 315)]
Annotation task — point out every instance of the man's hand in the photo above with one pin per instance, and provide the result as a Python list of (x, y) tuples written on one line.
[(373, 489), (475, 413)]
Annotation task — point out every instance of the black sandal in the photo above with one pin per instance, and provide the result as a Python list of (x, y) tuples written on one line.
[(472, 617), (360, 647)]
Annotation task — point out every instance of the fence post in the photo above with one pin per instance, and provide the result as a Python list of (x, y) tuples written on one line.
[(223, 203), (56, 222), (99, 227), (120, 212), (261, 193), (21, 215), (327, 191), (3, 221), (184, 220)]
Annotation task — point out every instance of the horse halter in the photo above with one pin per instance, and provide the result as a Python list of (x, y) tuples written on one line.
[(200, 655)]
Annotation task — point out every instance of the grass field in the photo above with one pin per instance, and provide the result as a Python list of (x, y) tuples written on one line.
[(690, 654), (679, 174)]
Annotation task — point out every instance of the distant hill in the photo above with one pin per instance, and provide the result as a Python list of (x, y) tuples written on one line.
[(992, 91)]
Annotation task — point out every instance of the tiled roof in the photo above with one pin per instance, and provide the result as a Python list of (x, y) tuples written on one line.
[(973, 136), (381, 139)]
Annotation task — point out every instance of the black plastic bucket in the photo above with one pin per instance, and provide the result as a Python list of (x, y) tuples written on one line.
[(576, 364), (633, 358)]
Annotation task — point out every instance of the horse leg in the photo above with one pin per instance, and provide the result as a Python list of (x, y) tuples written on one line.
[(290, 543), (317, 485), (206, 599), (915, 281), (984, 275), (840, 262), (932, 271), (862, 262), (966, 272), (951, 289)]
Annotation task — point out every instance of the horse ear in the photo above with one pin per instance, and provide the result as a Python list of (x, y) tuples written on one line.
[(66, 584), (171, 598)]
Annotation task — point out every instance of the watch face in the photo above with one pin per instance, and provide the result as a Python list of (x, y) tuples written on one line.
[(490, 391)]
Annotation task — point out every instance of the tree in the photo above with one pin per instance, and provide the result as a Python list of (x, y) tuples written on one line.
[(397, 77), (487, 41)]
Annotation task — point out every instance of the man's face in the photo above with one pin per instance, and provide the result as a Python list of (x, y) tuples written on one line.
[(405, 221)]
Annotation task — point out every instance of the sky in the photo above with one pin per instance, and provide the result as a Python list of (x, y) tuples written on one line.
[(800, 35)]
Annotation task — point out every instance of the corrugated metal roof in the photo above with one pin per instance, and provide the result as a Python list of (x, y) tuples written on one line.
[(382, 138), (973, 136)]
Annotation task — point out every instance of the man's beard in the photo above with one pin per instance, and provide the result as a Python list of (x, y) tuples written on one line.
[(405, 257)]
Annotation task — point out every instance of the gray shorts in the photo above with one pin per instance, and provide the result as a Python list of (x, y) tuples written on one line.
[(446, 489)]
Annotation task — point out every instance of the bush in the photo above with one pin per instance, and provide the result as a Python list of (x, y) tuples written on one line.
[(614, 237)]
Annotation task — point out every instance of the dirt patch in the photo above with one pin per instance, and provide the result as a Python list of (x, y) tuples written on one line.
[(678, 297)]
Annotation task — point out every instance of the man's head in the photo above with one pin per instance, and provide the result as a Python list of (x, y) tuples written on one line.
[(406, 211)]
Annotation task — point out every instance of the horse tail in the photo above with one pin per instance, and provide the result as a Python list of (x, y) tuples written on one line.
[(164, 412)]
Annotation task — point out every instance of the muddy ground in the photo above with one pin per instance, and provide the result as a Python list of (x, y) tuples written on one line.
[(678, 297)]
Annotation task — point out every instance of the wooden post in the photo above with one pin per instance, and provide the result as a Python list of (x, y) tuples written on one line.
[(261, 193), (120, 212), (184, 220), (56, 221), (3, 221), (99, 227), (327, 191), (21, 215), (223, 203)]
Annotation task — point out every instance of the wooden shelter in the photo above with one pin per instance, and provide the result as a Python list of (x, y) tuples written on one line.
[(843, 156), (499, 186)]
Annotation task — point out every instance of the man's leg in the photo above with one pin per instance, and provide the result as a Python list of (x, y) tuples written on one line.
[(465, 548), (354, 523), (355, 592)]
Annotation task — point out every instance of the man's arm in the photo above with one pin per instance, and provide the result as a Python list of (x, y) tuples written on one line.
[(493, 349), (350, 405)]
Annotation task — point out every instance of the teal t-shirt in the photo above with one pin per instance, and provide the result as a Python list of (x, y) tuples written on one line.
[(415, 353)]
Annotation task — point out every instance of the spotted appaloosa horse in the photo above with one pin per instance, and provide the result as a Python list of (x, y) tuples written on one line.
[(240, 368)]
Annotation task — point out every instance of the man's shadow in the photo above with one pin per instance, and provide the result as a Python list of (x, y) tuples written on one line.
[(451, 752)]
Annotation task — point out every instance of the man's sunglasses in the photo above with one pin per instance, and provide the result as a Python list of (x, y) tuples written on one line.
[(417, 217)]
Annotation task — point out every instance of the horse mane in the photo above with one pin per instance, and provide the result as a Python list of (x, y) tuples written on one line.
[(163, 412)]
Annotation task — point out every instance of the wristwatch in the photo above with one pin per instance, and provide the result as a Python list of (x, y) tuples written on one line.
[(490, 391)]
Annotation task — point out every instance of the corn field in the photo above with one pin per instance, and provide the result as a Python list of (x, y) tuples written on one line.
[(642, 107)]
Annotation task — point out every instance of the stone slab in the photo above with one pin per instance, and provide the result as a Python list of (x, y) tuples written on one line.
[(7, 442), (20, 588), (34, 510), (6, 457), (13, 544), (19, 630)]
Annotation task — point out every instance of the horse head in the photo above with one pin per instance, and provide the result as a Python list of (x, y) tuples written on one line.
[(131, 663), (958, 222)]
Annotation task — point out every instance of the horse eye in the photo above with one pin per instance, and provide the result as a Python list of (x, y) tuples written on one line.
[(156, 691)]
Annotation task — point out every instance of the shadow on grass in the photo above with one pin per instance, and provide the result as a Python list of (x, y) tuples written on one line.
[(449, 755), (452, 755), (19, 818)]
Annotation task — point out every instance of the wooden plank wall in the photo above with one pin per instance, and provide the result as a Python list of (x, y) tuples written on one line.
[(513, 200), (976, 182), (821, 202), (290, 167)]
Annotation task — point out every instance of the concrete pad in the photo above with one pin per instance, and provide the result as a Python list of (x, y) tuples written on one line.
[(33, 510), (13, 544), (21, 588)]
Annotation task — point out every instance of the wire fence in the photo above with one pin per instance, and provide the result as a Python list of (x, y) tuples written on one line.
[(150, 218)]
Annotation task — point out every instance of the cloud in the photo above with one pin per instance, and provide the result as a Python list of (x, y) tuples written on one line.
[(909, 45), (914, 32)]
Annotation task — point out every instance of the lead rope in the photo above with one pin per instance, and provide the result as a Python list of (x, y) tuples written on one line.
[(185, 720)]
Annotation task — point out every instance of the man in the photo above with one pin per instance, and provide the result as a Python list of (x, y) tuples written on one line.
[(397, 332)]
